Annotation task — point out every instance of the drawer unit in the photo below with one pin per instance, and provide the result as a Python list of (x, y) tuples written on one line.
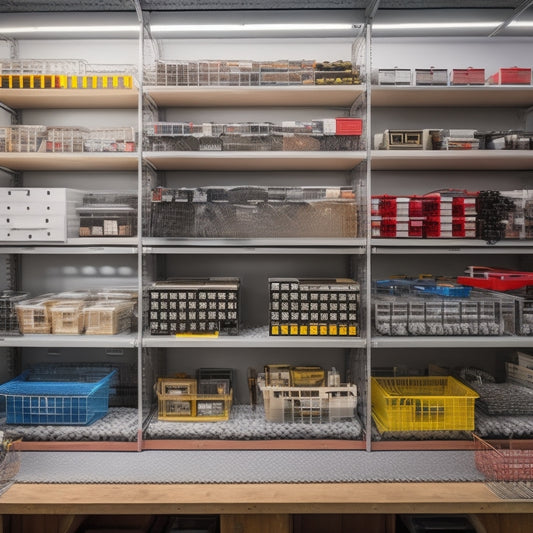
[(39, 214), (511, 76)]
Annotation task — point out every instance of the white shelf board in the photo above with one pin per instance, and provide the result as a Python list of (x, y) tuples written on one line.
[(69, 160), (339, 160), (452, 160), (271, 96), (70, 98), (263, 246), (252, 338), (123, 340), (452, 96), (76, 246), (508, 341), (449, 246)]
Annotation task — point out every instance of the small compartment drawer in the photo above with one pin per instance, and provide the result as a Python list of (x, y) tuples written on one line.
[(32, 222), (40, 234), (33, 195)]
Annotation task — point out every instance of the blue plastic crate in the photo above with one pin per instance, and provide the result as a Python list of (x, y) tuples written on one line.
[(35, 398)]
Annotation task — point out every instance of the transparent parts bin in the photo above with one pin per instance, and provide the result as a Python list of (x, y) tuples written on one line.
[(108, 214), (36, 397), (343, 133), (251, 73), (254, 212), (422, 404), (9, 324), (309, 405), (482, 313)]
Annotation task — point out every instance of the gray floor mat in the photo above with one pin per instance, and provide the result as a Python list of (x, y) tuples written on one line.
[(231, 466), (247, 424), (120, 424)]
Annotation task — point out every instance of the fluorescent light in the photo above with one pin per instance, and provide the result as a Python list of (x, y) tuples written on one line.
[(69, 29), (205, 28), (521, 23), (434, 25)]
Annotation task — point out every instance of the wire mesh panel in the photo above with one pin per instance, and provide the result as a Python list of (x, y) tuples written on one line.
[(343, 133), (248, 212)]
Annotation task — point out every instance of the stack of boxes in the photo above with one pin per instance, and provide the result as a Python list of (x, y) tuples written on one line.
[(432, 216)]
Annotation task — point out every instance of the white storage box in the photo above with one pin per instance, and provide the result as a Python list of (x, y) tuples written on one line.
[(39, 214)]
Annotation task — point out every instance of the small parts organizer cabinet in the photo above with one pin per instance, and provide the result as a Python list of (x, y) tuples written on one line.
[(39, 214)]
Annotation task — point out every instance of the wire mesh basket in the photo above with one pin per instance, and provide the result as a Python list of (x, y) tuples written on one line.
[(510, 460), (113, 139), (9, 324), (22, 138), (65, 139), (422, 404), (37, 397), (254, 212)]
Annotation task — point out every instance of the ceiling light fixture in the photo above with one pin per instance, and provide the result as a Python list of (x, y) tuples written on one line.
[(206, 28), (69, 29), (434, 25), (521, 24)]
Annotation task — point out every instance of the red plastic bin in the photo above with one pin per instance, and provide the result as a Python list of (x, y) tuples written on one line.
[(511, 76), (349, 126), (468, 76)]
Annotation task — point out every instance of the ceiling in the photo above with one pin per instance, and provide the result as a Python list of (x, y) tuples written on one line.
[(26, 6)]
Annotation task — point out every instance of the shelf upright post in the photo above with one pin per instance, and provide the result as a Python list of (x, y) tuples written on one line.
[(368, 228), (140, 79)]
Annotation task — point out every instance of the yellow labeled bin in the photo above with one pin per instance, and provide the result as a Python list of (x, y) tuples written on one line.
[(422, 404)]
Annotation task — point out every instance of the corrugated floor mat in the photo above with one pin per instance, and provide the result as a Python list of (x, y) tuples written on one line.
[(238, 466)]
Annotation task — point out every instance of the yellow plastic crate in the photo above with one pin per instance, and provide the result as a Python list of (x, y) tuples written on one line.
[(422, 404)]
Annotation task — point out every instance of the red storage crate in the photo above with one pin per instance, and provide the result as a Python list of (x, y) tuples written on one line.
[(349, 126), (511, 76), (384, 205), (468, 76)]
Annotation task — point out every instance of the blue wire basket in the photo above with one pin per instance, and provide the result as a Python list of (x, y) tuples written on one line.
[(34, 397)]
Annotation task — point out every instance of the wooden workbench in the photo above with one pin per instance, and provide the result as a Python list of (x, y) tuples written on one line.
[(268, 508)]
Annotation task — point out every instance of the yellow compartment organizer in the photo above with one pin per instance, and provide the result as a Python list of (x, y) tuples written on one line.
[(422, 404), (178, 401)]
